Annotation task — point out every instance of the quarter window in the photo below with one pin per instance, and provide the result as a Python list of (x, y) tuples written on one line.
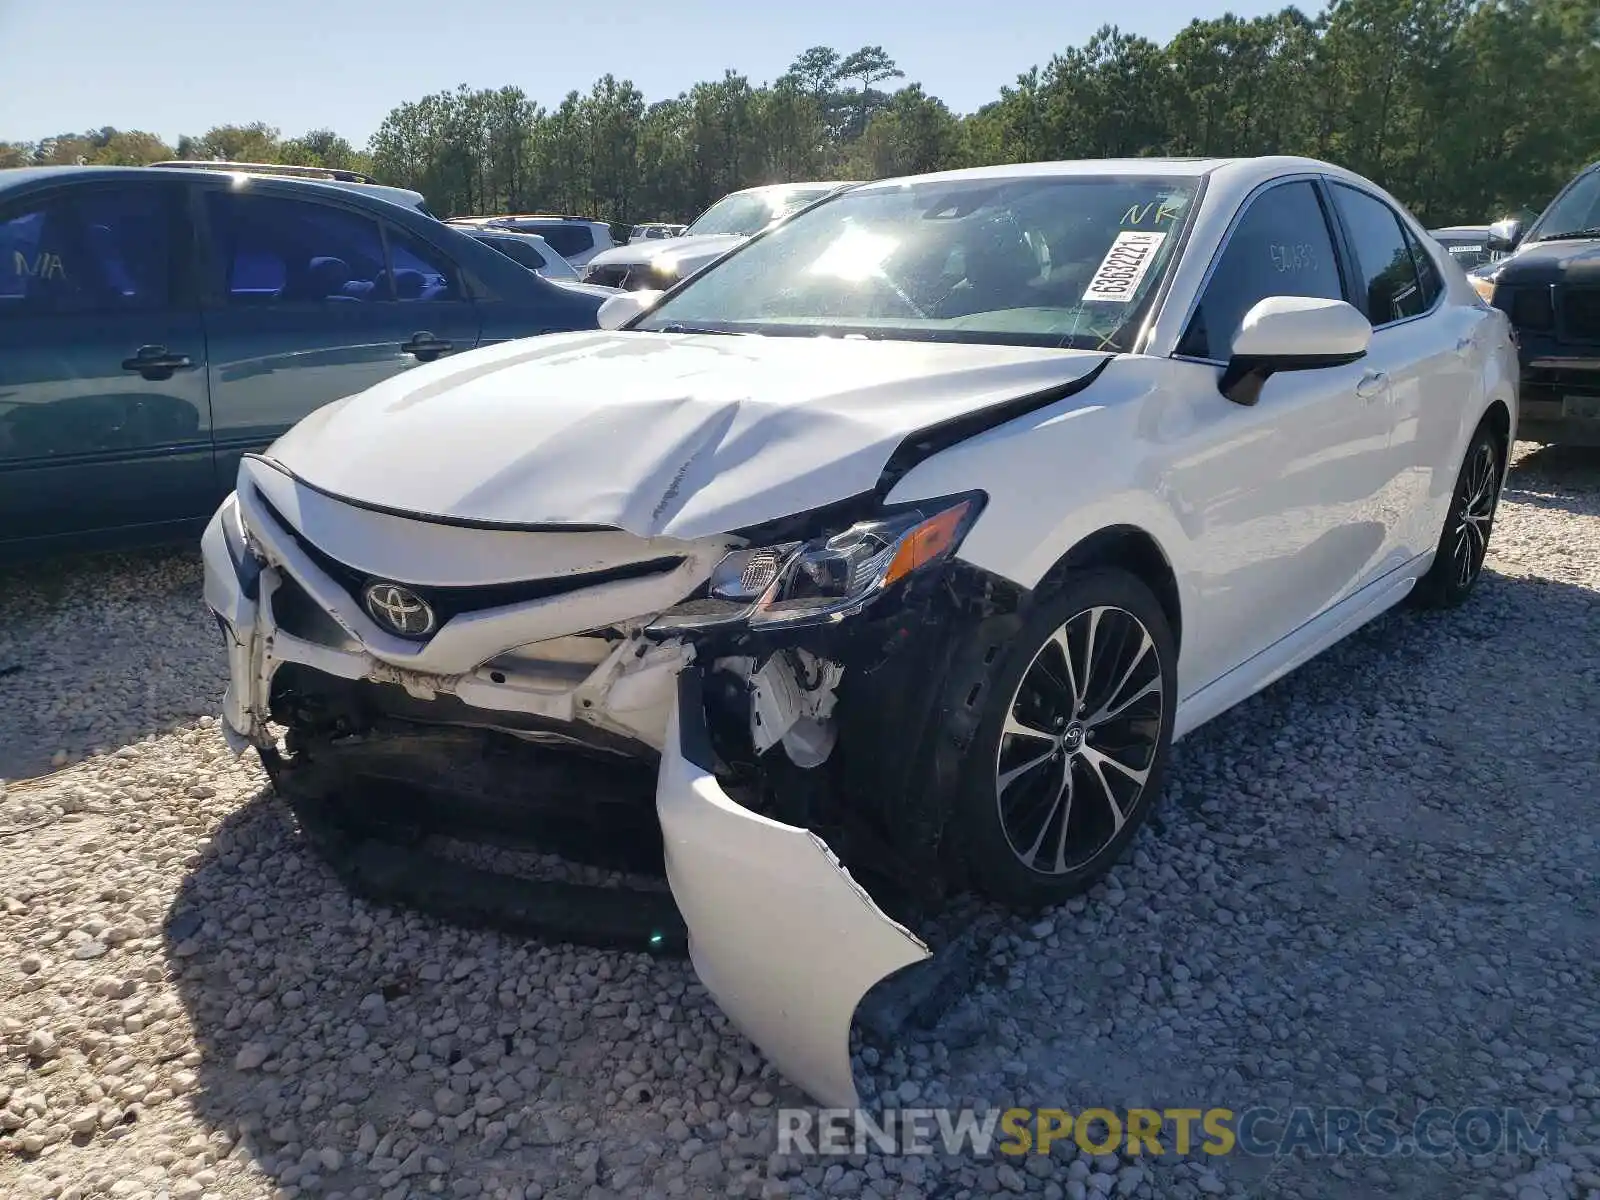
[(95, 250), (1385, 267), (1280, 247)]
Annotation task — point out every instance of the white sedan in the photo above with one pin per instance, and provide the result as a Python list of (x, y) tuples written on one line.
[(901, 544)]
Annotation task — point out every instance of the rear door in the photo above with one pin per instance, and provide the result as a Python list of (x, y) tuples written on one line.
[(1424, 349), (310, 299), (105, 425)]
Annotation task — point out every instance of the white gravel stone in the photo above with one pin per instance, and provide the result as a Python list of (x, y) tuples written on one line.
[(1375, 885)]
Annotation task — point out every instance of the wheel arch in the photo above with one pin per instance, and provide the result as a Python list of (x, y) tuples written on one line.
[(1498, 418), (1132, 549)]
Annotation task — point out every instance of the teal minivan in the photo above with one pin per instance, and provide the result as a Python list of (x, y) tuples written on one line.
[(157, 323)]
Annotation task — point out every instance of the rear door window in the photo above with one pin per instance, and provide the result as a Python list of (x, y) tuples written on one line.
[(89, 250), (1388, 283)]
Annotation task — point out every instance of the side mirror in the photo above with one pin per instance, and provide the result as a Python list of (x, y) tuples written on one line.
[(1292, 333), (1505, 235), (618, 310)]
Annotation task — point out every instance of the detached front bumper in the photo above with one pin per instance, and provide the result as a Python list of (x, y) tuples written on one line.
[(786, 942), (781, 935)]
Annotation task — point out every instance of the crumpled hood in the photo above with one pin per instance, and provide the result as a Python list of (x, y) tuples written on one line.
[(657, 434), (685, 254)]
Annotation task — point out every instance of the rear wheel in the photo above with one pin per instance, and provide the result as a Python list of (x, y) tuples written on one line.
[(1464, 542), (1068, 755)]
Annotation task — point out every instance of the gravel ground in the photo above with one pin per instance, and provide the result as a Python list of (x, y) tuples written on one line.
[(1375, 884)]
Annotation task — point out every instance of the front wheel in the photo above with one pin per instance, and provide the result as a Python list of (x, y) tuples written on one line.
[(1464, 542), (1068, 754)]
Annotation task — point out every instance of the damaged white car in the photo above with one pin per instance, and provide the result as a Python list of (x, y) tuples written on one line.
[(900, 544)]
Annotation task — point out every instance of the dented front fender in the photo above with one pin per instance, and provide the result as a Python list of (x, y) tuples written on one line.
[(783, 938)]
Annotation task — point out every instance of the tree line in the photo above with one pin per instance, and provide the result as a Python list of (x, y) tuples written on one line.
[(1465, 109)]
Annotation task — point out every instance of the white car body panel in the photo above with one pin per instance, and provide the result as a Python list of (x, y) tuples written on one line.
[(768, 902), (1287, 524), (742, 430)]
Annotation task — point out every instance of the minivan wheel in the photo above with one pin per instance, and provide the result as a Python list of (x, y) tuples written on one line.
[(1069, 753)]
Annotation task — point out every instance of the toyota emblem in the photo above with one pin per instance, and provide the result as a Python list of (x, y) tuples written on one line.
[(398, 609)]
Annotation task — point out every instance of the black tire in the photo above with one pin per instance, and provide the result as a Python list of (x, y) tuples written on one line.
[(1464, 541), (1069, 857)]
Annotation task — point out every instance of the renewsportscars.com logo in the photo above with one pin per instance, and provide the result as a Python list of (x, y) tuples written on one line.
[(1262, 1132)]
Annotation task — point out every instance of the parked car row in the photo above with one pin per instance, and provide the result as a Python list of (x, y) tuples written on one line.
[(898, 542), (157, 323), (728, 223)]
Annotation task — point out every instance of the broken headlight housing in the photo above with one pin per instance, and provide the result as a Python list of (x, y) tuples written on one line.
[(834, 577)]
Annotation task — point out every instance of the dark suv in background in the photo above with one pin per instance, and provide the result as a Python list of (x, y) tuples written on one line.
[(1549, 285)]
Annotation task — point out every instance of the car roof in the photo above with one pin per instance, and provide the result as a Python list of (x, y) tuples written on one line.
[(18, 176)]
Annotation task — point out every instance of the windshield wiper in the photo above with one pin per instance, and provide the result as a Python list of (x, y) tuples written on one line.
[(1592, 232), (679, 327)]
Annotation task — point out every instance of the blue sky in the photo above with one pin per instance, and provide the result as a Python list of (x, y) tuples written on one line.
[(180, 66)]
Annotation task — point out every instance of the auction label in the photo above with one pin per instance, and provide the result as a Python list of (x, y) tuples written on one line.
[(1117, 278)]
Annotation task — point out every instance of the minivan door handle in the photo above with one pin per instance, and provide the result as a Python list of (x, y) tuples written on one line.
[(1372, 385), (426, 347), (156, 363)]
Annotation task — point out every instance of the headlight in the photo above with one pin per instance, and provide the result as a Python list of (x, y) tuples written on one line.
[(1484, 286), (835, 577)]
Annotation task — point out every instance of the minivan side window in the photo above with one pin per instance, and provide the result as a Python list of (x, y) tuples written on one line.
[(275, 250), (1385, 268), (88, 251), (1281, 246), (567, 240)]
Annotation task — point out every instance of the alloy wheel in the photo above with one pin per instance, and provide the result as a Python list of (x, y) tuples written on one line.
[(1079, 740), (1480, 492)]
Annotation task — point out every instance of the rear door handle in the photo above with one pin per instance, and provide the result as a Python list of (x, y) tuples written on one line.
[(156, 363), (1372, 385), (426, 347)]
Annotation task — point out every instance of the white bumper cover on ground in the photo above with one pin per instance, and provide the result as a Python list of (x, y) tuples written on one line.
[(786, 942)]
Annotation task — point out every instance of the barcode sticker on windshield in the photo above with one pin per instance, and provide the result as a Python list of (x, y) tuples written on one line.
[(1116, 280)]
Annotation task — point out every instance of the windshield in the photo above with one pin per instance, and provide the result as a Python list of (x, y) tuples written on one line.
[(1040, 261), (1575, 211), (748, 213)]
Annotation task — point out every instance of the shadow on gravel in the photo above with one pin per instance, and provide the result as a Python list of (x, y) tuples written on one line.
[(101, 650), (350, 1045), (1545, 474)]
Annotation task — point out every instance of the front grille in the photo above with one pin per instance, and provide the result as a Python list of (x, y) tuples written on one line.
[(448, 602), (1580, 314), (1528, 307)]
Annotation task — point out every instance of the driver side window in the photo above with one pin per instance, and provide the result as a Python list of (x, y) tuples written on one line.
[(1280, 247)]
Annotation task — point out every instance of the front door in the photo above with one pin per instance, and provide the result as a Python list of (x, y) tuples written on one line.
[(105, 424), (311, 300), (1283, 500)]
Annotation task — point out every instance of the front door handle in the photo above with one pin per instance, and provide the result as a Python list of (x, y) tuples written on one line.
[(156, 363), (1372, 385), (426, 347)]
